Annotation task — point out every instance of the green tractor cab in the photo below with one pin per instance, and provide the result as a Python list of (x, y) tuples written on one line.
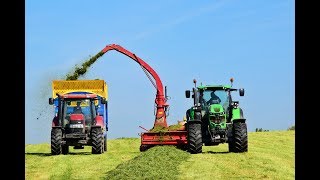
[(215, 118)]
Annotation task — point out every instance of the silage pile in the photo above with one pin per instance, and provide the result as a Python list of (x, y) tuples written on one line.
[(175, 127)]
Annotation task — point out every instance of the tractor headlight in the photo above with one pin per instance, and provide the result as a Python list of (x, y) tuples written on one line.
[(76, 125)]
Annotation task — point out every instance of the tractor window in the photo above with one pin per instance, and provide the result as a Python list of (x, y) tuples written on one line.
[(215, 97), (76, 106)]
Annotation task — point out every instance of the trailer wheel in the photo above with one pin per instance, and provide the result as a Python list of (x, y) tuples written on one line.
[(240, 137), (65, 149), (183, 147), (194, 138), (145, 147), (97, 141), (56, 138)]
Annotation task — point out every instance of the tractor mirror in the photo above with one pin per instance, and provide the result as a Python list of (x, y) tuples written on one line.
[(103, 100), (50, 101), (187, 93), (241, 92)]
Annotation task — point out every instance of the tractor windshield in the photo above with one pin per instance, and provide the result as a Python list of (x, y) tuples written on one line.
[(215, 97), (79, 106)]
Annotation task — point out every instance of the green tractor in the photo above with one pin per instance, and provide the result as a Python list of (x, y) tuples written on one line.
[(215, 118)]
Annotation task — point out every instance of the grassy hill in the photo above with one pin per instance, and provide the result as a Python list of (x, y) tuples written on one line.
[(271, 155)]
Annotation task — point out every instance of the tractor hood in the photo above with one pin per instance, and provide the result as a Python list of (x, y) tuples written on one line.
[(215, 108)]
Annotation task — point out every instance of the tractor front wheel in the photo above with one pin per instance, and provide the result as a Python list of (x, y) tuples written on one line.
[(194, 138), (240, 137), (231, 146), (56, 138), (97, 141)]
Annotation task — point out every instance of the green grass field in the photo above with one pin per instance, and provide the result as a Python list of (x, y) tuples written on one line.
[(271, 155)]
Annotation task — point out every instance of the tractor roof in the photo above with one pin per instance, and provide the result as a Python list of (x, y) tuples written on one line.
[(79, 96), (214, 87)]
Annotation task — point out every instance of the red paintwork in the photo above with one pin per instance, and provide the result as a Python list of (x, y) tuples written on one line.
[(76, 117), (167, 138), (80, 96), (160, 100), (55, 121), (99, 121), (154, 138)]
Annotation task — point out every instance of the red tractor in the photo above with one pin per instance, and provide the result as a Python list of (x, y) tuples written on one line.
[(80, 118)]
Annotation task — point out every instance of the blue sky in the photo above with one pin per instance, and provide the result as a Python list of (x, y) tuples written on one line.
[(211, 41)]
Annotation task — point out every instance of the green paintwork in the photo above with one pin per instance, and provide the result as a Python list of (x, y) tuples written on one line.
[(216, 110), (236, 114), (191, 113), (214, 87)]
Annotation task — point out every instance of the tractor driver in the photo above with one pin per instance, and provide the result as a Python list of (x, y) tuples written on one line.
[(214, 99), (77, 109)]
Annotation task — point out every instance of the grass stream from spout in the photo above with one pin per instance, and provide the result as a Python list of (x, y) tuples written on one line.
[(80, 71)]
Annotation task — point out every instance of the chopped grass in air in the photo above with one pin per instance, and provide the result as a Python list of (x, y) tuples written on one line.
[(79, 71)]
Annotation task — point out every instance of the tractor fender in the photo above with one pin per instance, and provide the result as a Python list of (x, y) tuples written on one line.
[(99, 121)]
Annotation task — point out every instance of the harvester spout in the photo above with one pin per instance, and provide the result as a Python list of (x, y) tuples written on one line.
[(161, 105)]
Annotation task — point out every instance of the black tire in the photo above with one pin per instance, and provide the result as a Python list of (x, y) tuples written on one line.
[(231, 146), (230, 137), (102, 145), (65, 149), (240, 137), (183, 147), (145, 147), (56, 138), (194, 138), (97, 141), (105, 143)]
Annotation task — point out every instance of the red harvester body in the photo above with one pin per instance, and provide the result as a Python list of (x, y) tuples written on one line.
[(149, 139)]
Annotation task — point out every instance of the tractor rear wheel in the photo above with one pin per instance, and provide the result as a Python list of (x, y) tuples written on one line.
[(105, 143), (194, 138), (56, 138), (97, 141), (240, 137), (65, 149)]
